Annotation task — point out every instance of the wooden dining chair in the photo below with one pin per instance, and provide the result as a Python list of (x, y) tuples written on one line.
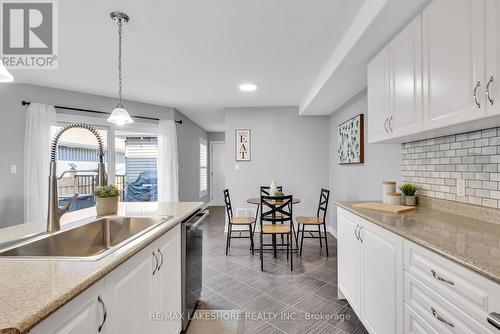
[(275, 210), (319, 220), (241, 221)]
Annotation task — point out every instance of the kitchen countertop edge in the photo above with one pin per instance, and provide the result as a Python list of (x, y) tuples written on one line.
[(485, 272)]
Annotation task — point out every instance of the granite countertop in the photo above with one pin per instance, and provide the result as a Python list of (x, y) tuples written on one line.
[(30, 290), (470, 242)]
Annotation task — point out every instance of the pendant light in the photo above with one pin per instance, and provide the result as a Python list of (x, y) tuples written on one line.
[(5, 76), (120, 115)]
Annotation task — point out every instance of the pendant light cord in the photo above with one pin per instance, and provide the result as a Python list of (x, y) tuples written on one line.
[(120, 31)]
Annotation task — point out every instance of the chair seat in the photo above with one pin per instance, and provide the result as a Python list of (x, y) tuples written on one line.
[(310, 220), (242, 220), (275, 229)]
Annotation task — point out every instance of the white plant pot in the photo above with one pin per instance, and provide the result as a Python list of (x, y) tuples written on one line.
[(106, 206)]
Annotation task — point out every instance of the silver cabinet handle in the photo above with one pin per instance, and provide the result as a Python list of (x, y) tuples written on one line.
[(390, 122), (359, 234), (385, 125), (440, 318), (356, 232), (440, 278), (494, 319), (478, 84), (488, 94), (156, 263), (161, 261), (104, 313)]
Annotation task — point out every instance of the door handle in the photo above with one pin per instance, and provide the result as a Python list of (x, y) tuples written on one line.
[(385, 125), (356, 232), (494, 319), (161, 262), (156, 263), (389, 123), (488, 94), (359, 234), (478, 84), (104, 313)]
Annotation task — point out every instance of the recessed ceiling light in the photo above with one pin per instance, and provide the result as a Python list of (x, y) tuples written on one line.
[(248, 87)]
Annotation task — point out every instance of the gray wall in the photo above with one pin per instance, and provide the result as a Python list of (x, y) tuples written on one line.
[(12, 138), (188, 146), (286, 148), (216, 136), (363, 181)]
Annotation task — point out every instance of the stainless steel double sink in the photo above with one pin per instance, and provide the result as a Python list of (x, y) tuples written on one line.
[(90, 241)]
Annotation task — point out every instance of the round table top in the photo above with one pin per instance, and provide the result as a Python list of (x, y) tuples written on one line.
[(256, 200)]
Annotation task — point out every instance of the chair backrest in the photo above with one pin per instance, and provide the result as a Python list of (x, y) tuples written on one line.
[(265, 190), (324, 196), (276, 208), (227, 202)]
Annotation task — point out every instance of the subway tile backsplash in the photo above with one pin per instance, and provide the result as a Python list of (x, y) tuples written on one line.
[(435, 165)]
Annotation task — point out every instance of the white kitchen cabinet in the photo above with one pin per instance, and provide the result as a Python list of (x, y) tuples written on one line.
[(370, 273), (406, 80), (379, 108), (381, 280), (453, 62), (82, 315), (148, 284), (349, 257), (493, 57), (168, 283), (395, 86), (130, 295)]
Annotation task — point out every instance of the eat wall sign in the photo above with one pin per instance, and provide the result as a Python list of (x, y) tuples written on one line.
[(243, 145)]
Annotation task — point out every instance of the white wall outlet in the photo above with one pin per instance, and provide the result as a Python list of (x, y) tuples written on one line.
[(236, 166), (460, 187), (13, 169)]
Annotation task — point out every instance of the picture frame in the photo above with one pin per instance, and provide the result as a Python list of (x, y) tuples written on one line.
[(243, 143), (350, 145)]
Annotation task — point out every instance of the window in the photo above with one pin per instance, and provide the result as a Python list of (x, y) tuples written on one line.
[(131, 158), (203, 168)]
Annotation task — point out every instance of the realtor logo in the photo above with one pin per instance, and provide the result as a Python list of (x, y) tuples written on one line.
[(29, 38)]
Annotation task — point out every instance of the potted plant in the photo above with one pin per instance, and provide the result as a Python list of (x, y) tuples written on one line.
[(279, 194), (409, 190), (106, 198)]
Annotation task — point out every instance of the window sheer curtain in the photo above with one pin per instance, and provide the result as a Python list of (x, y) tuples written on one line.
[(37, 136), (168, 174)]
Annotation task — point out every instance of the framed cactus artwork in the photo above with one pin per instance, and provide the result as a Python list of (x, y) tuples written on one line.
[(351, 141)]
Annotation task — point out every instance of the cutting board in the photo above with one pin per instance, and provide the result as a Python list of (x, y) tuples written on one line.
[(384, 207)]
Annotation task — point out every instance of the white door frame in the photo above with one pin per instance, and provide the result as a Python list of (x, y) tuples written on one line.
[(212, 166)]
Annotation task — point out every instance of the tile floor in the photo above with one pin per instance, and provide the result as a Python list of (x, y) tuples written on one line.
[(276, 300)]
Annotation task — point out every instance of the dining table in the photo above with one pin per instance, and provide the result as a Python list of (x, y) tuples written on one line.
[(256, 201)]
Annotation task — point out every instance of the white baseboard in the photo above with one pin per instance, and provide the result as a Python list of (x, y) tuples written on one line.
[(332, 231)]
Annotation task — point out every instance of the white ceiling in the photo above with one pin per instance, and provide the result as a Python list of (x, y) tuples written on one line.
[(193, 54)]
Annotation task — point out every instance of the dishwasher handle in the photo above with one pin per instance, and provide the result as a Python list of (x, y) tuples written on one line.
[(494, 319), (200, 219)]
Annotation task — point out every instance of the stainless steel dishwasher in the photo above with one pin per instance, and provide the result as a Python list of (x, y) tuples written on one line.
[(192, 254)]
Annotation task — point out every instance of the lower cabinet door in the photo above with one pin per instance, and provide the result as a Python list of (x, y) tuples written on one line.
[(381, 280), (83, 315), (348, 254), (130, 295), (169, 281)]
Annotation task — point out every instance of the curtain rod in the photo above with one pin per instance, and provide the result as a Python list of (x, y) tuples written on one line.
[(27, 103)]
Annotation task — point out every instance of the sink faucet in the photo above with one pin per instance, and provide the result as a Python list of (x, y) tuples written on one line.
[(55, 212)]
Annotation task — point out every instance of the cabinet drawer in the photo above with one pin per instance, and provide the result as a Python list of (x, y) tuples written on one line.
[(415, 324), (475, 294), (442, 315)]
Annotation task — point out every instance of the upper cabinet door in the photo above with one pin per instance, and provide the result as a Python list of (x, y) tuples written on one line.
[(453, 62), (379, 97), (493, 56), (406, 80)]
